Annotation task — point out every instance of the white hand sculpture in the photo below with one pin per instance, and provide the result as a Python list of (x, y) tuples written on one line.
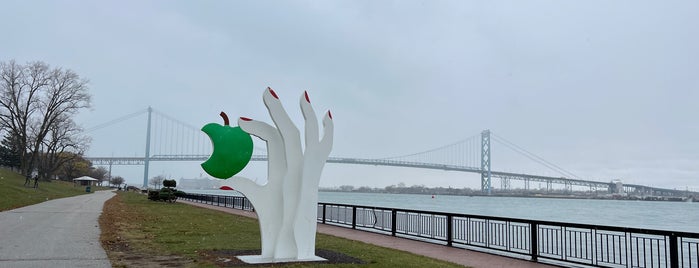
[(287, 205)]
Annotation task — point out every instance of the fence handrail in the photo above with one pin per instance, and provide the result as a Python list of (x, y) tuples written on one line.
[(539, 222)]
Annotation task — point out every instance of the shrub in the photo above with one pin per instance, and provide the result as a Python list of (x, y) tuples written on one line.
[(153, 195), (167, 194), (170, 183)]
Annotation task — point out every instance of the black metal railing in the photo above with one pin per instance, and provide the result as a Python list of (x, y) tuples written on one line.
[(237, 202), (554, 242)]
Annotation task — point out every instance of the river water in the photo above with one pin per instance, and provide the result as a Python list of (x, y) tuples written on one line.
[(659, 215)]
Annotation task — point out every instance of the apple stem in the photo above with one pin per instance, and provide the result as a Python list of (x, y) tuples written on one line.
[(225, 119)]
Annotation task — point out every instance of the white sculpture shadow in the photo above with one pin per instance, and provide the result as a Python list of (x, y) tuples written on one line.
[(286, 205)]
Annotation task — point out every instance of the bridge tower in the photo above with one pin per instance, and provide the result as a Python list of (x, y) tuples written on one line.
[(147, 158), (485, 161)]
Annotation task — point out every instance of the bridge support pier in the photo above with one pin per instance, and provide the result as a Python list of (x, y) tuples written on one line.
[(485, 162), (147, 158)]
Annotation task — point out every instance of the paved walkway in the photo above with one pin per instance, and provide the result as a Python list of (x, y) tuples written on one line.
[(450, 254), (57, 233)]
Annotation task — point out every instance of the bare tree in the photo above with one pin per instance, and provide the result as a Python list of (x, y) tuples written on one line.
[(35, 98), (117, 180), (157, 181), (100, 173), (64, 95), (63, 144), (19, 96)]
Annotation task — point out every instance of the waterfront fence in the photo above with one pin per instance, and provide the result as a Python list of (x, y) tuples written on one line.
[(558, 243), (237, 202)]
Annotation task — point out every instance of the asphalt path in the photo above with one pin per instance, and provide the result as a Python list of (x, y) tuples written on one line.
[(56, 233)]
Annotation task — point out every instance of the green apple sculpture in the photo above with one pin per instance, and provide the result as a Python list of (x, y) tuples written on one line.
[(232, 149)]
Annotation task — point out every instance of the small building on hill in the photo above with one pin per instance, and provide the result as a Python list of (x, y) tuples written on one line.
[(84, 181)]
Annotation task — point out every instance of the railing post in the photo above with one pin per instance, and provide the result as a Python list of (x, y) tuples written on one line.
[(393, 222), (323, 213), (354, 217), (674, 252), (449, 230), (534, 241)]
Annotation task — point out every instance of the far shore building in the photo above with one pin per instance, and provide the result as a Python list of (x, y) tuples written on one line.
[(200, 183)]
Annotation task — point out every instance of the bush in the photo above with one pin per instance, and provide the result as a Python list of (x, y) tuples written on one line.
[(180, 193), (154, 195), (170, 183), (165, 194)]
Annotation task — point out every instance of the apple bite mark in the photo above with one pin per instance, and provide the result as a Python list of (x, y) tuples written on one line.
[(330, 115), (225, 119), (245, 119), (305, 93)]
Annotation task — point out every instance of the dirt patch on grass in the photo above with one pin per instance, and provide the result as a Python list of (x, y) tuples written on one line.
[(228, 258), (114, 222)]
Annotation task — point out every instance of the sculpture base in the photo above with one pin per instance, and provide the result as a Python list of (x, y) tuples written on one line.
[(257, 259)]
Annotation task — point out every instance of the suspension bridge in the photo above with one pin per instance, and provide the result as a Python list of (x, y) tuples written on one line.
[(169, 139)]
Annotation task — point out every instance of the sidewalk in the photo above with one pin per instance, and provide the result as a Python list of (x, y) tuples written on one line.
[(57, 233), (450, 254)]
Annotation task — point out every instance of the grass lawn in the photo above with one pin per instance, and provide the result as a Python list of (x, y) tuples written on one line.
[(137, 232), (13, 194)]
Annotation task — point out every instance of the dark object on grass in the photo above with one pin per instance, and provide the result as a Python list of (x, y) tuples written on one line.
[(165, 194)]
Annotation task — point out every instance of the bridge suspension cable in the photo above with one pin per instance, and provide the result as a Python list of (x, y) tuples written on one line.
[(534, 157), (117, 120), (175, 138), (465, 152)]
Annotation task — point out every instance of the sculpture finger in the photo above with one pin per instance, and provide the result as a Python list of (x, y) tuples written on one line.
[(276, 111), (275, 146), (311, 121), (326, 143), (291, 138)]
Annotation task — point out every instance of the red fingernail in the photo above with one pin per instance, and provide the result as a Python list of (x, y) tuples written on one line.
[(330, 115), (245, 119), (306, 93), (273, 93), (225, 119)]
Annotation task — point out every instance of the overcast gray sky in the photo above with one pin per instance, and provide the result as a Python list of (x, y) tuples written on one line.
[(605, 89)]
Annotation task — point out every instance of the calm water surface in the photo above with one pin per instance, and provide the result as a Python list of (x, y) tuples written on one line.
[(673, 216)]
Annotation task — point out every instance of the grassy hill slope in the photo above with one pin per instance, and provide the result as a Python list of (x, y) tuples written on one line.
[(13, 194)]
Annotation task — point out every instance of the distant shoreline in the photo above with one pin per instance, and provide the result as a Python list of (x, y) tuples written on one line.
[(538, 195)]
